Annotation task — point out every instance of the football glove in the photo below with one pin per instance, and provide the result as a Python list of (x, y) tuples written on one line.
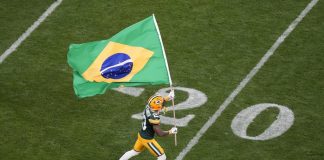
[(173, 130), (171, 95)]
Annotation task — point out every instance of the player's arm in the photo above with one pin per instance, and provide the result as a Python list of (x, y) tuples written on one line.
[(155, 121), (159, 131), (168, 98)]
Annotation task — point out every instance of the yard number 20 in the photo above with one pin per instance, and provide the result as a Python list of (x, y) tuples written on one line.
[(240, 122)]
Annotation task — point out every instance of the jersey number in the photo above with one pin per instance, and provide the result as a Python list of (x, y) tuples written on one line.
[(144, 122)]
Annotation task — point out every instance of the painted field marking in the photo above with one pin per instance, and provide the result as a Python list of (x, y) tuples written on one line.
[(132, 91), (27, 33), (284, 120), (243, 83)]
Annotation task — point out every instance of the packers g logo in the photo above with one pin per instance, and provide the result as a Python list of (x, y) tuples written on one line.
[(116, 66), (158, 102)]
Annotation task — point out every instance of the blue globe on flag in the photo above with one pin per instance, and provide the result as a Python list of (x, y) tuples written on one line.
[(116, 66)]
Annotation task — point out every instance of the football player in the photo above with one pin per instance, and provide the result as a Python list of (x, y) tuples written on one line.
[(150, 127)]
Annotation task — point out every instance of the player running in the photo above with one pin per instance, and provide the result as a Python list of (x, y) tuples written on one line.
[(150, 126)]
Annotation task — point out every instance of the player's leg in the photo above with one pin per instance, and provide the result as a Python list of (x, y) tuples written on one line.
[(138, 148), (129, 154), (155, 149)]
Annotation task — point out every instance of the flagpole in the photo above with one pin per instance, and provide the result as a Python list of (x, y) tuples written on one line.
[(170, 80)]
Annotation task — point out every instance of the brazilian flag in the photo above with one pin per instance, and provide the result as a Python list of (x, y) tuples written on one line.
[(133, 57)]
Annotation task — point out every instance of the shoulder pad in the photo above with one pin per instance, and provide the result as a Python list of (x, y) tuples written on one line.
[(154, 118)]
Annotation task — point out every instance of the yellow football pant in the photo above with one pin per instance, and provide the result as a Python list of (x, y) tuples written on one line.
[(151, 144)]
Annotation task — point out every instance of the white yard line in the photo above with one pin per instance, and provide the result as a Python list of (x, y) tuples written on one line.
[(27, 33), (243, 83)]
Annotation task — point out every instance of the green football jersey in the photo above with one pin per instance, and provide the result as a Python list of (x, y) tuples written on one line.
[(150, 118)]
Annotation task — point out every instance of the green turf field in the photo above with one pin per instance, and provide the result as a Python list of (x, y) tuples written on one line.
[(211, 46)]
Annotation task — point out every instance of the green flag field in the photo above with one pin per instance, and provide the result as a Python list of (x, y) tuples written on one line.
[(248, 78)]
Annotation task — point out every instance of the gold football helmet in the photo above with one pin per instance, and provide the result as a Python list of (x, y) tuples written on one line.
[(155, 102)]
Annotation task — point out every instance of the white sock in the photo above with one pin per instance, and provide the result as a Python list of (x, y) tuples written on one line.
[(129, 155), (163, 157)]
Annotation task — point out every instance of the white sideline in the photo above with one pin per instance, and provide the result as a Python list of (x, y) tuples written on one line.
[(243, 83), (27, 33)]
